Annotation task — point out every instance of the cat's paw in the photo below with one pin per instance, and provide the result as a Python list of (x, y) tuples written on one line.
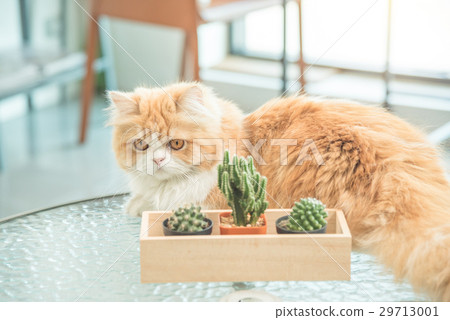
[(135, 206)]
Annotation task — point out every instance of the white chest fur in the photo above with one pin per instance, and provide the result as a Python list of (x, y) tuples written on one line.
[(149, 193)]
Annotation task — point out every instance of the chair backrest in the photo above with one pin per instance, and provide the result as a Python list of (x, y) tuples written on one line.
[(174, 13)]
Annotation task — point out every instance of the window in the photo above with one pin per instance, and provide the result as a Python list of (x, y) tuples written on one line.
[(419, 44)]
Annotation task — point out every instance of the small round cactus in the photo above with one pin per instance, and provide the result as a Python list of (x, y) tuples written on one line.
[(307, 215), (188, 219)]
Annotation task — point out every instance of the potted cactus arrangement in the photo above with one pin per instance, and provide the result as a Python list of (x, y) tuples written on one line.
[(307, 216), (245, 191), (187, 221)]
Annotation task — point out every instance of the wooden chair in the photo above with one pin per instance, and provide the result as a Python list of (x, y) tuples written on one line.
[(182, 14), (174, 13)]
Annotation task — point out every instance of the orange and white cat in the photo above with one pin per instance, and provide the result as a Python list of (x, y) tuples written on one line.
[(378, 169)]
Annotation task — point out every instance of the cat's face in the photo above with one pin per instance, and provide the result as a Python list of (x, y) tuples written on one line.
[(158, 131)]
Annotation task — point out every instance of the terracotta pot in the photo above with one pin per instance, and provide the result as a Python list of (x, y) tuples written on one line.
[(169, 232), (281, 230), (242, 230)]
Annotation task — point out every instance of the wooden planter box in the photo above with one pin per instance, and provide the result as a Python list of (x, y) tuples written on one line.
[(270, 257)]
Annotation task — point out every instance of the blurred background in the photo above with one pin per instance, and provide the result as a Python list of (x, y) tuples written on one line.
[(394, 54)]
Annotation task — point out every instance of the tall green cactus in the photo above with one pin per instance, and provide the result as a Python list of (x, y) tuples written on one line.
[(244, 189)]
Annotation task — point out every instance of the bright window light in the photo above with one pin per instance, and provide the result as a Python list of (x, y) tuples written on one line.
[(347, 33)]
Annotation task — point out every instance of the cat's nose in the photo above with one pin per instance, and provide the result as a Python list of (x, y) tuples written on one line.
[(158, 161)]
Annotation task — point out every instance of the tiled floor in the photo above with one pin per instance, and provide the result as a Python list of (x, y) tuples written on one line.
[(44, 166)]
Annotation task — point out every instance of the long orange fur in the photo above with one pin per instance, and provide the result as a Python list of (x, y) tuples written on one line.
[(377, 168)]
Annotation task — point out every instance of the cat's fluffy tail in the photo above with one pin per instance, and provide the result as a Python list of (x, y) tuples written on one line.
[(415, 237), (421, 254)]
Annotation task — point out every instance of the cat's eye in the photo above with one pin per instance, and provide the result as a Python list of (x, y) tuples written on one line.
[(176, 144), (140, 145)]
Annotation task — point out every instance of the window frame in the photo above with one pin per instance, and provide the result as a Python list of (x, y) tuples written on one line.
[(237, 48)]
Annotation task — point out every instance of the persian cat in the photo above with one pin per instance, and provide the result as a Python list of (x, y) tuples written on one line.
[(378, 169)]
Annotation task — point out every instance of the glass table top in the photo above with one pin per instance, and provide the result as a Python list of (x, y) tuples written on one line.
[(89, 251)]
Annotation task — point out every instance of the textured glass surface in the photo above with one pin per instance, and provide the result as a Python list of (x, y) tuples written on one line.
[(90, 252)]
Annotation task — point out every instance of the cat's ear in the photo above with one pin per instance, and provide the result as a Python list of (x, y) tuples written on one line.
[(192, 102), (123, 102)]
